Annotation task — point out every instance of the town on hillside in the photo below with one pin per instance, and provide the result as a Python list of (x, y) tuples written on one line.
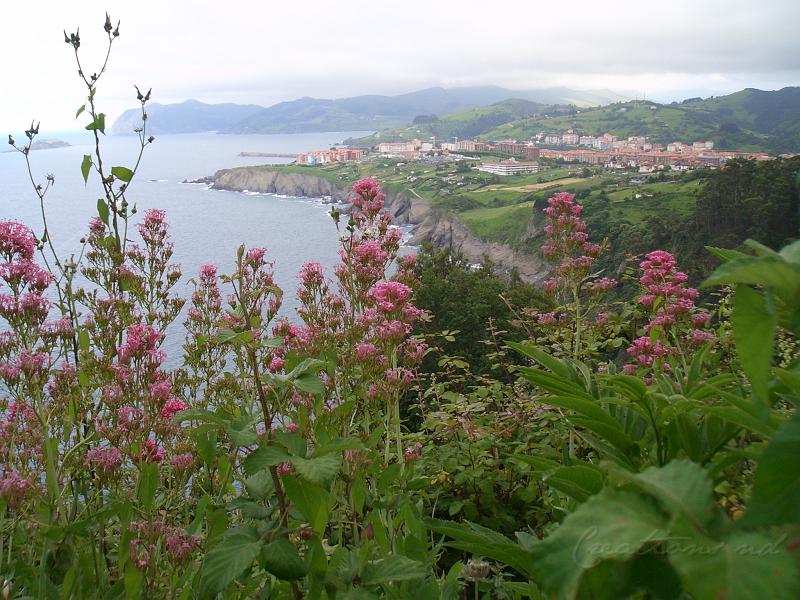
[(510, 157)]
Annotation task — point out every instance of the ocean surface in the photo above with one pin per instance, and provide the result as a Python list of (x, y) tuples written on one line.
[(206, 225)]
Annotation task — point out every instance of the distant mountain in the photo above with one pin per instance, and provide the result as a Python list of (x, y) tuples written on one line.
[(186, 117), (468, 123), (344, 114), (749, 120), (380, 112)]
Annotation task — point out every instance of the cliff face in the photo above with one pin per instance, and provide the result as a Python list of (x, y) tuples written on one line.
[(431, 225)]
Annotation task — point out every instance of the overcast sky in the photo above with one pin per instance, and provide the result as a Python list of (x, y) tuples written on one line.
[(266, 51)]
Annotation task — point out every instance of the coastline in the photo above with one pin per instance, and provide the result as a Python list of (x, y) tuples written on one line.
[(429, 225)]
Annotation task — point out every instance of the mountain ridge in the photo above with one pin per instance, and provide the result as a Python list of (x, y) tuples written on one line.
[(307, 114)]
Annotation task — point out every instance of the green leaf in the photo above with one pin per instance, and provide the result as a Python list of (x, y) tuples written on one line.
[(309, 382), (263, 457), (242, 432), (206, 445), (394, 567), (483, 541), (318, 470), (791, 253), (549, 362), (613, 524), (199, 414), (83, 340), (86, 166), (235, 552), (747, 566), (133, 582), (577, 481), (310, 499), (682, 486), (260, 486), (122, 173), (228, 336), (754, 324), (102, 210), (771, 271), (148, 484), (726, 254), (99, 124), (79, 111), (776, 486), (282, 560)]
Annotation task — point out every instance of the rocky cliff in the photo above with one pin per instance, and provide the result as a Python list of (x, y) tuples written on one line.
[(430, 225)]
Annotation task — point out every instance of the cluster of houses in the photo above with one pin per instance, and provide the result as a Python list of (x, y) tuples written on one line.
[(607, 150), (321, 157)]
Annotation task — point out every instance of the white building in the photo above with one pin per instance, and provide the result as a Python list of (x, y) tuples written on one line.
[(509, 167)]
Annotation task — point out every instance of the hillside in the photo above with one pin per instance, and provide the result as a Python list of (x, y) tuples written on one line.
[(749, 120), (469, 123), (187, 117)]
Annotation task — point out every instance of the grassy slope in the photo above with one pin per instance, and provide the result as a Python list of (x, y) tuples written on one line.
[(503, 209), (749, 120)]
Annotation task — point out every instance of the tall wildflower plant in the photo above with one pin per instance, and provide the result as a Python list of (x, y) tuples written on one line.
[(676, 327), (363, 319), (572, 254)]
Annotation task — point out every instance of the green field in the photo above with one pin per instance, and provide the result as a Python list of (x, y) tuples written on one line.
[(506, 209)]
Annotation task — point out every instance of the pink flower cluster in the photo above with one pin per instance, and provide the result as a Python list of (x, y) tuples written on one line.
[(568, 245), (673, 314), (366, 311), (142, 341), (16, 240), (105, 460), (15, 489), (368, 197)]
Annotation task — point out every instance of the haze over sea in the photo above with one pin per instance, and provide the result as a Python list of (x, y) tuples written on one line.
[(207, 226)]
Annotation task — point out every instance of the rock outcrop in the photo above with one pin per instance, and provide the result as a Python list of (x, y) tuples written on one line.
[(430, 225)]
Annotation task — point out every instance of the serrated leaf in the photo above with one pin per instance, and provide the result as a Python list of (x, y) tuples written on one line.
[(770, 271), (260, 485), (86, 166), (682, 486), (282, 560), (577, 481), (394, 567), (122, 173), (308, 382), (235, 552), (746, 566), (310, 499), (613, 524), (318, 470), (265, 456)]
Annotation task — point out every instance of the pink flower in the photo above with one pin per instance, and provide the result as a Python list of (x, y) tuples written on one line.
[(16, 239), (183, 462), (106, 460), (390, 296), (172, 407), (152, 452), (15, 489)]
